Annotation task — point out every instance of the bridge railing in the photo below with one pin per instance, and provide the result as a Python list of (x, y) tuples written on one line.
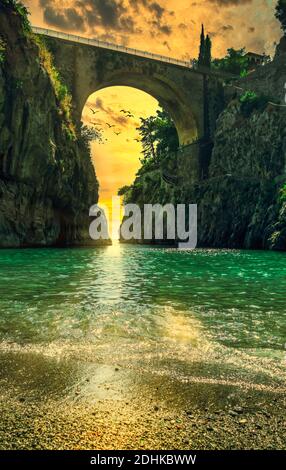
[(113, 47)]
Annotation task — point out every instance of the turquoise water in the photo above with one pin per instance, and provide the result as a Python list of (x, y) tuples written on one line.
[(202, 317), (238, 296)]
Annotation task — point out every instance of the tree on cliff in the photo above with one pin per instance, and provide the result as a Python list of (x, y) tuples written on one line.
[(159, 141), (205, 50), (281, 14), (235, 62), (202, 48), (208, 52), (158, 136)]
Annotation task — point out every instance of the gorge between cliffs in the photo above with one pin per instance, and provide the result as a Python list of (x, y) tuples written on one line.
[(111, 345), (236, 173)]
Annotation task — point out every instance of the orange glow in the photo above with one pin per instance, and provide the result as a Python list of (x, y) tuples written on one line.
[(165, 27), (116, 160)]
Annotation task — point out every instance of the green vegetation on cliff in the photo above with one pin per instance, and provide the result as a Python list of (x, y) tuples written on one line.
[(46, 60), (280, 14), (158, 136), (47, 180), (235, 62), (242, 203), (250, 102), (20, 9), (159, 143), (2, 51), (61, 90)]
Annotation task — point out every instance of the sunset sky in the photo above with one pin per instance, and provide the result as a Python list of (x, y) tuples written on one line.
[(169, 27)]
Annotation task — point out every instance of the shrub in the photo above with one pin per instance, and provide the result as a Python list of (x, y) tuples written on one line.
[(22, 11), (2, 51), (61, 90), (122, 191), (89, 134), (283, 194), (250, 101), (70, 133), (235, 62)]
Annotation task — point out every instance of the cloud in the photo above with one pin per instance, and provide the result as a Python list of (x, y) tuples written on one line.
[(226, 27), (70, 19), (158, 16), (116, 15), (148, 24), (88, 14), (157, 9), (230, 3)]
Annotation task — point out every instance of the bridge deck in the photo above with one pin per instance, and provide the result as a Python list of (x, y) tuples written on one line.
[(113, 47)]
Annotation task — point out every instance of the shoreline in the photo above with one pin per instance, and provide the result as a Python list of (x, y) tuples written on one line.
[(111, 425), (44, 406)]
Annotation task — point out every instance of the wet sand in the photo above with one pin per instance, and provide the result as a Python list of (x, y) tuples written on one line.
[(44, 405)]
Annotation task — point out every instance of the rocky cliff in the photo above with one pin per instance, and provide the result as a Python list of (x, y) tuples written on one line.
[(47, 181), (241, 203)]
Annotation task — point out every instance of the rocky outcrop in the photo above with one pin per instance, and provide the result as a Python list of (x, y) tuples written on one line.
[(47, 180), (240, 203)]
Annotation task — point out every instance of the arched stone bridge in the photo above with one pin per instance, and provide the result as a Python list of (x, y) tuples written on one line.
[(89, 65)]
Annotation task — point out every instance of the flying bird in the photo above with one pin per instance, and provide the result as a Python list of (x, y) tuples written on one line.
[(109, 125), (94, 112), (117, 133), (128, 113)]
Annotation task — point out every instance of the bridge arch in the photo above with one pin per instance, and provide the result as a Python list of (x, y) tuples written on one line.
[(161, 90), (87, 67)]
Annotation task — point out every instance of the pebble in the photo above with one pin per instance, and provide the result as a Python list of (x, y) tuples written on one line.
[(238, 409)]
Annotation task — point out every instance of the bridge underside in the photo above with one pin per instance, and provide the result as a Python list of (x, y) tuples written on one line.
[(86, 69)]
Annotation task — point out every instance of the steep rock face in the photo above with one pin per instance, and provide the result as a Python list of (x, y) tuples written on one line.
[(47, 181), (240, 203), (252, 146)]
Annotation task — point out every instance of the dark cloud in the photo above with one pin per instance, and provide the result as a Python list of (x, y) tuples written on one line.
[(110, 14), (164, 28), (70, 19), (226, 28), (99, 104), (229, 3), (158, 12), (183, 26), (157, 9)]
